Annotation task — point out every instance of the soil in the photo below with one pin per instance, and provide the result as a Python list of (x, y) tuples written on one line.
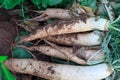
[(7, 32)]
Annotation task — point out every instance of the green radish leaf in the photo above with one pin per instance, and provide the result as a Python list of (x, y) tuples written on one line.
[(40, 3), (6, 74), (20, 53), (9, 4), (89, 3), (53, 2), (44, 3), (2, 58), (1, 74), (64, 4), (37, 2), (78, 0), (1, 1)]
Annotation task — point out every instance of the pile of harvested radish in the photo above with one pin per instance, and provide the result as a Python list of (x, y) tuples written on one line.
[(77, 36)]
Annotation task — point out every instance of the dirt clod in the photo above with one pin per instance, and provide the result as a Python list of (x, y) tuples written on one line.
[(7, 33)]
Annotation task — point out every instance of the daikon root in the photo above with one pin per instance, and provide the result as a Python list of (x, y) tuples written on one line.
[(67, 27), (80, 56), (85, 39), (53, 13), (60, 53), (65, 14), (91, 56), (58, 71)]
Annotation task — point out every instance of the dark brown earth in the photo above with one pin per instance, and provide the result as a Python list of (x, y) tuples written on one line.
[(7, 32)]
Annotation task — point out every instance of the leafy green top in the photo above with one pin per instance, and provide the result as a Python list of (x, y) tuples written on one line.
[(111, 44), (9, 4)]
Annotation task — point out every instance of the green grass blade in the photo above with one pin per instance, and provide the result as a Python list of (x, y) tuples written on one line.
[(7, 75), (1, 74), (2, 58)]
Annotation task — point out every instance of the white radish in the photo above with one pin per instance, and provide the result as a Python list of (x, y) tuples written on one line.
[(71, 26), (58, 71), (58, 52), (53, 13), (85, 39), (80, 56)]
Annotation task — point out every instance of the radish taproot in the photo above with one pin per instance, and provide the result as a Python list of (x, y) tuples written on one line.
[(65, 14), (81, 24), (53, 13), (58, 52), (80, 56), (58, 71), (67, 27), (85, 39)]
